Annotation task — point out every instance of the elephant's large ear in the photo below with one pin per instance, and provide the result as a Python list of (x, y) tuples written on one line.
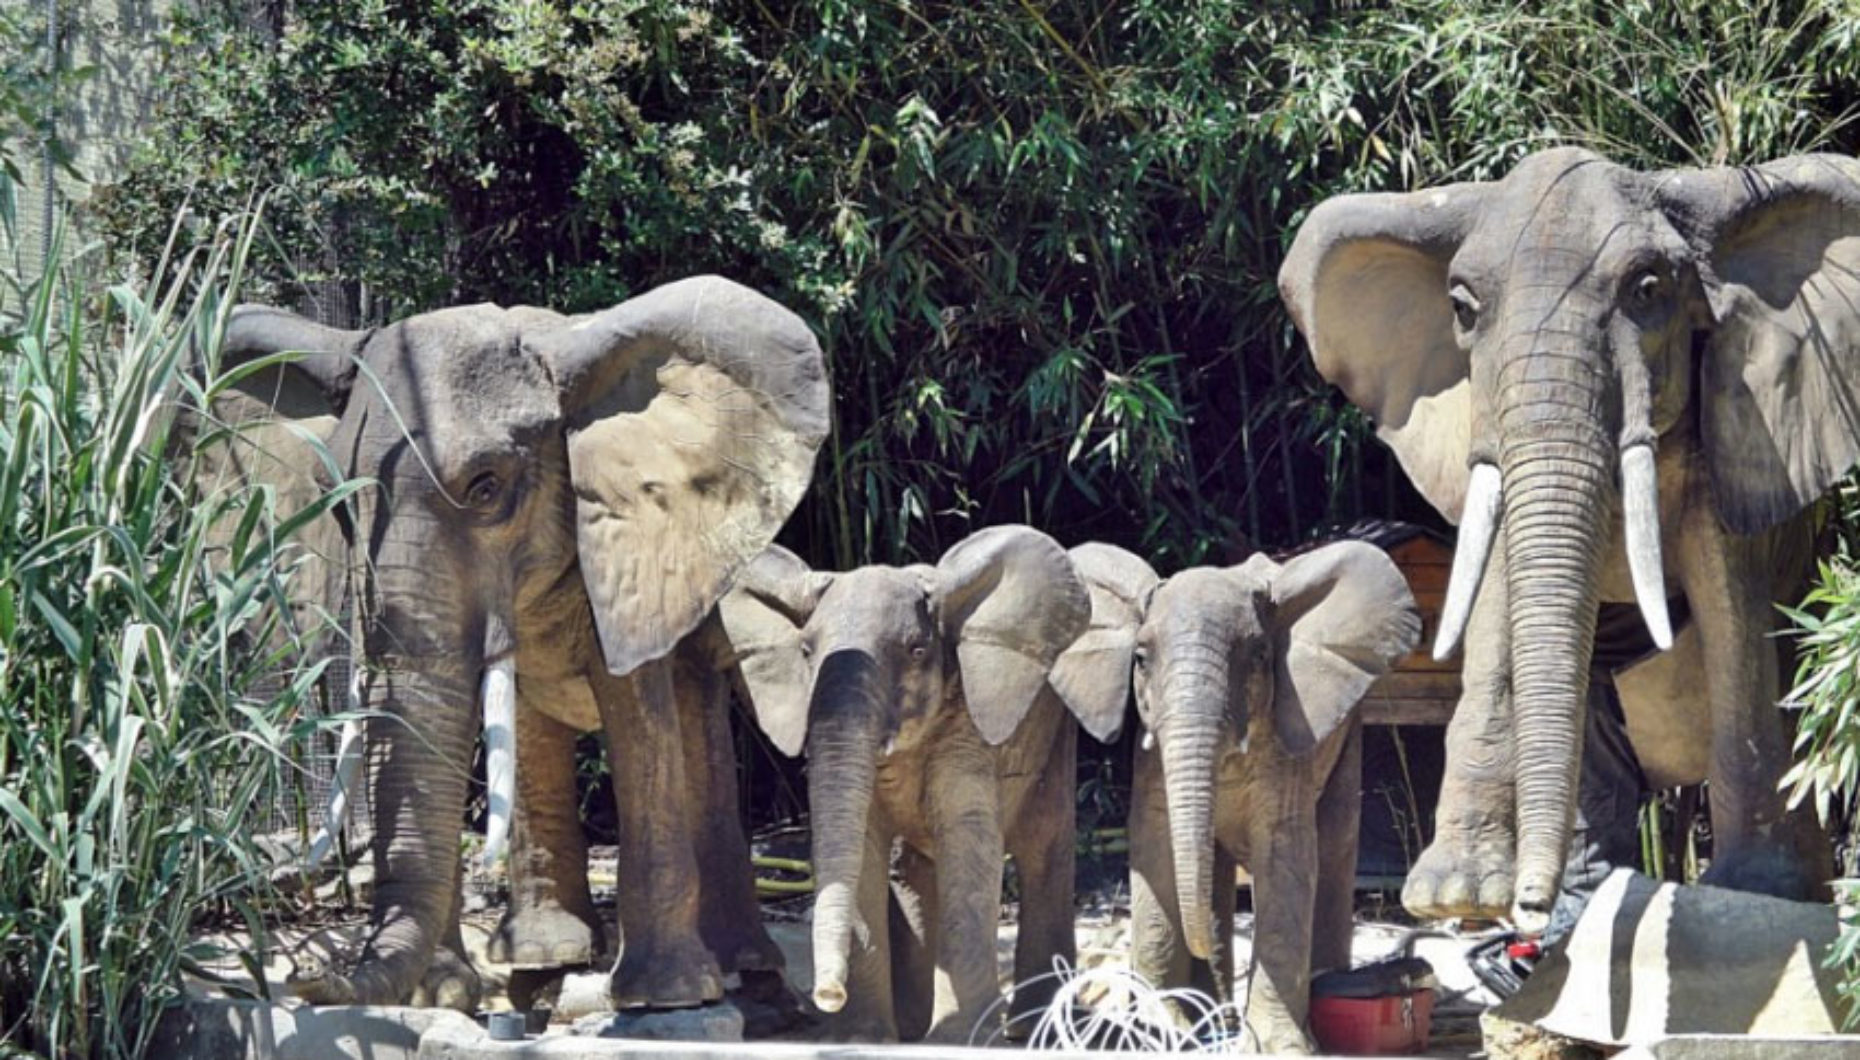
[(274, 424), (1366, 282), (1092, 676), (1009, 598), (761, 619), (1779, 247), (316, 382), (693, 415), (1343, 615)]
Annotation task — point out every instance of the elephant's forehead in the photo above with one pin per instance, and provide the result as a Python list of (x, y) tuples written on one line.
[(879, 601), (1202, 596), (1562, 199), (462, 377)]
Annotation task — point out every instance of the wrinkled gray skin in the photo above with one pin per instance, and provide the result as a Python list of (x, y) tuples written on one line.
[(551, 924), (1247, 681), (919, 695), (574, 495), (1549, 326)]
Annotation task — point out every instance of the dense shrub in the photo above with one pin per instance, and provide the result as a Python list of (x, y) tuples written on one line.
[(1039, 239)]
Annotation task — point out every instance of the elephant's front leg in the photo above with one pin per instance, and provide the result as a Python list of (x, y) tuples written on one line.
[(663, 960), (1469, 868), (965, 823), (1044, 846), (1728, 580), (1339, 824), (1283, 849), (913, 942), (729, 917), (551, 922)]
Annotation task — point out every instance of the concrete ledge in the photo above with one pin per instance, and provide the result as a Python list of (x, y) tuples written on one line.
[(1739, 1047), (446, 1043), (224, 1029)]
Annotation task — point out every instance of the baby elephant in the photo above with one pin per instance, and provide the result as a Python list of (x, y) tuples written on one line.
[(920, 696), (1247, 680)]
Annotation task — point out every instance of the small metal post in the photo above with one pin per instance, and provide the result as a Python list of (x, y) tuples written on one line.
[(48, 134)]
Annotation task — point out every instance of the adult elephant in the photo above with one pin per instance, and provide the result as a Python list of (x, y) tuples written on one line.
[(557, 502), (1614, 382)]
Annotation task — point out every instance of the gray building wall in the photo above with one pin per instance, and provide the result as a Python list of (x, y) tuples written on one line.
[(98, 117)]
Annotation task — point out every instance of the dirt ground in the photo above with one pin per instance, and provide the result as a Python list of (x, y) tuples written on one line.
[(1103, 937)]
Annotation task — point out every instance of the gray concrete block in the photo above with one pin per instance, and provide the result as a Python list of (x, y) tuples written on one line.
[(1745, 1047), (706, 1023), (225, 1029)]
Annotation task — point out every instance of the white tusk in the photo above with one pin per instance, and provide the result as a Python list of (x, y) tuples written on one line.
[(1640, 507), (1485, 498), (1149, 739), (500, 752), (348, 761)]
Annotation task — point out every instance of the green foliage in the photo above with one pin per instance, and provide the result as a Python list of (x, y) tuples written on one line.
[(140, 726), (1827, 688), (1039, 240)]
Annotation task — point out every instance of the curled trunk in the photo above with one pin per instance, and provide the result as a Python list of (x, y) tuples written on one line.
[(842, 764)]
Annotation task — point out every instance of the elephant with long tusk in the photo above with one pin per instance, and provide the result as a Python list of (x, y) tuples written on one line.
[(556, 503), (1620, 384)]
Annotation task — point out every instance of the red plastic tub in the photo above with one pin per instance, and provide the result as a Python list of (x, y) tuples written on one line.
[(1373, 1026)]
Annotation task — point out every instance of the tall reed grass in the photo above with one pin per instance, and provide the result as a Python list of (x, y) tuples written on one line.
[(151, 700)]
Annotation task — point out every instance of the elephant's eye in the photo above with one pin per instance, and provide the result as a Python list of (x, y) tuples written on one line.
[(1465, 307), (483, 491), (919, 650), (1142, 657), (1646, 290)]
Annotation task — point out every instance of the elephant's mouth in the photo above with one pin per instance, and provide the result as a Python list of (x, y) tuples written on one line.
[(1484, 510)]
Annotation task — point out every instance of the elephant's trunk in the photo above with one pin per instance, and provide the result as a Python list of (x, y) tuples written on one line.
[(420, 743), (1558, 474), (842, 763), (425, 653), (1190, 729)]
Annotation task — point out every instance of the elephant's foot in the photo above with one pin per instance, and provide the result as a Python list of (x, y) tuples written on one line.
[(1763, 867), (449, 982), (965, 1028), (317, 982), (544, 938), (745, 946), (665, 973), (1466, 872), (528, 988), (856, 1028), (1280, 1039), (768, 1005)]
